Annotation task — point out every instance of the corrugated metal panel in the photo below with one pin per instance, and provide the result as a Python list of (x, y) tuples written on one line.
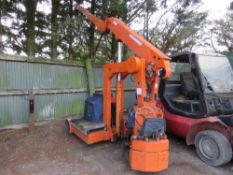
[(16, 75), (24, 75), (129, 81), (230, 57), (98, 73), (59, 105), (56, 106), (13, 110), (130, 96), (130, 99)]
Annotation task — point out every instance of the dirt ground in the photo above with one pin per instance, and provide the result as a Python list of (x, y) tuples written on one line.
[(49, 151)]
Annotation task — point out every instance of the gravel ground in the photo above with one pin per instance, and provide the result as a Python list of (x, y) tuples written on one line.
[(49, 151)]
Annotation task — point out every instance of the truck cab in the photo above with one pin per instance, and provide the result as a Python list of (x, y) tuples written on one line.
[(198, 104)]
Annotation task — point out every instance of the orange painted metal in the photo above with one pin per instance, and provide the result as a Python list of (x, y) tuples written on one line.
[(130, 66), (149, 156), (150, 111), (150, 145), (90, 138), (134, 41), (100, 24), (119, 106)]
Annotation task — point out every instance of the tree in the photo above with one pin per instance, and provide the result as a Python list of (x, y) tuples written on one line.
[(150, 8), (54, 28), (127, 11), (65, 33), (71, 32), (26, 27), (92, 33), (1, 27), (30, 6), (178, 28), (1, 33), (223, 32), (117, 9), (5, 13)]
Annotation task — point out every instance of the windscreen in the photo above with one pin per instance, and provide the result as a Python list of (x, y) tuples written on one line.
[(217, 73), (177, 69)]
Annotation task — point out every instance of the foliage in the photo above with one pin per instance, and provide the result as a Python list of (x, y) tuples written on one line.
[(178, 28), (57, 31), (223, 32)]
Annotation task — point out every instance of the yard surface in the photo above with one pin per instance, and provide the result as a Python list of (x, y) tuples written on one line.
[(49, 151)]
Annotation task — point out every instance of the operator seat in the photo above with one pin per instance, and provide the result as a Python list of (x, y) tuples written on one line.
[(190, 99), (189, 85)]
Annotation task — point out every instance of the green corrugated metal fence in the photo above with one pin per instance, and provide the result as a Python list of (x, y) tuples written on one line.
[(60, 89), (230, 57)]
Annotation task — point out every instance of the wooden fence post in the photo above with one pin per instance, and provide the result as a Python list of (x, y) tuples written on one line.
[(31, 116), (90, 76)]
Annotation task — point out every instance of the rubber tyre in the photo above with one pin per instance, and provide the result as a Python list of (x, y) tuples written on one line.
[(213, 148)]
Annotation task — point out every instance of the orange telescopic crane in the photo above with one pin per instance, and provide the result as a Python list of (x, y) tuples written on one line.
[(145, 126)]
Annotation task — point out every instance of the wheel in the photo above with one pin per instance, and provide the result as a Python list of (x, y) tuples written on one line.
[(213, 148)]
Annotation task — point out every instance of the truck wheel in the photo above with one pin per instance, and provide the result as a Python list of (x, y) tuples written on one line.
[(213, 148)]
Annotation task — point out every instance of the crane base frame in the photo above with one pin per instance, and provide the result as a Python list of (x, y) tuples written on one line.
[(90, 137)]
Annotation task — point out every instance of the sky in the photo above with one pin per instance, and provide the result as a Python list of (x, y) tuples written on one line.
[(216, 8)]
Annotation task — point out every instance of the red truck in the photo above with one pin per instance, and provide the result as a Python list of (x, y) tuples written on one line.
[(198, 104)]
